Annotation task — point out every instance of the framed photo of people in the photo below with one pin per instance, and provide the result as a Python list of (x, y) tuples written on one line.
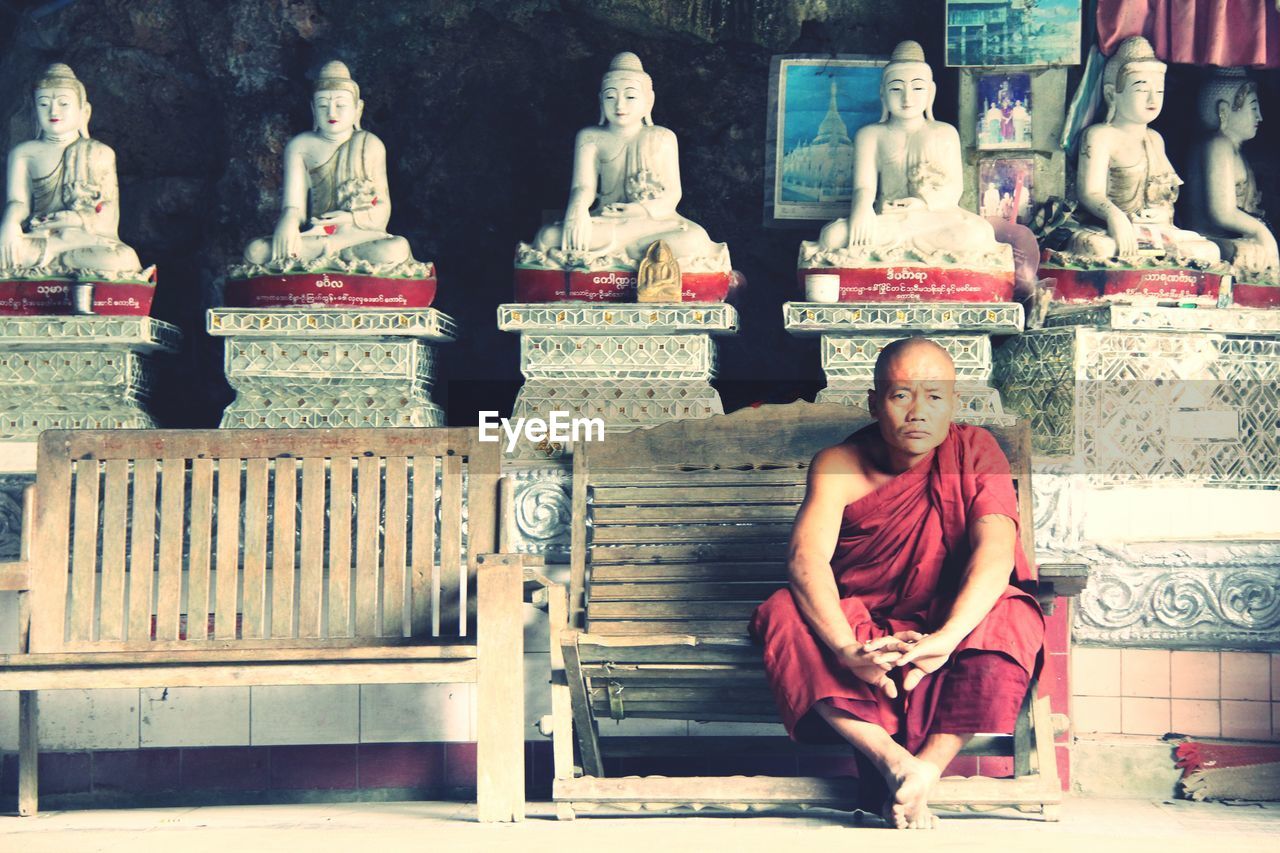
[(816, 106), (1004, 188), (1004, 111)]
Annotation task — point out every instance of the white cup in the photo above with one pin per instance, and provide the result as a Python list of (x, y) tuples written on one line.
[(822, 287)]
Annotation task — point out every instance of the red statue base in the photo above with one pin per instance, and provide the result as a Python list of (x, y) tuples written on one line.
[(1077, 285), (544, 285), (330, 290), (61, 296), (916, 283)]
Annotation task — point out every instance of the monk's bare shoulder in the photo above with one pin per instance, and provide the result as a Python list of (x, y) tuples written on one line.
[(841, 471)]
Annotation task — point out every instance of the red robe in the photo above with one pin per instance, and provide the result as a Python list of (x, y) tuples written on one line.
[(898, 564)]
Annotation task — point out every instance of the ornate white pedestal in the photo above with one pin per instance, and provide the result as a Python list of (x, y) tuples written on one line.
[(853, 335), (630, 364), (69, 372), (78, 372), (1158, 459), (331, 367)]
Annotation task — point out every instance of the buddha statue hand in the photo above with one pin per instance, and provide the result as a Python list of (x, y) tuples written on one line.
[(624, 209), (329, 222), (1121, 230), (862, 226), (10, 245), (58, 219), (286, 242), (577, 230)]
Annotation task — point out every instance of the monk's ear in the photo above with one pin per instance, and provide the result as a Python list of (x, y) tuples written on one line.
[(928, 104), (873, 402), (84, 123), (359, 112)]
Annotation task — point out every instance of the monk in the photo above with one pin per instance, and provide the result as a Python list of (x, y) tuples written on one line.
[(906, 628)]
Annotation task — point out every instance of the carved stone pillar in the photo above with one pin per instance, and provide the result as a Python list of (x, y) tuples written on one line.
[(335, 367)]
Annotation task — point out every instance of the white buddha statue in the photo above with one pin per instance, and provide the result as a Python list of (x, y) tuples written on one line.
[(1125, 183), (907, 181), (626, 185), (63, 187), (1224, 200), (338, 173)]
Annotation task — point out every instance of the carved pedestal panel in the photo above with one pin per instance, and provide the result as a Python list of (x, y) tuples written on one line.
[(853, 335), (297, 367), (631, 365), (80, 372), (1158, 456)]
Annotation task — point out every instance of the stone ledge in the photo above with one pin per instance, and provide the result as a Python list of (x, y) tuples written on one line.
[(425, 323), (1155, 318), (49, 333), (618, 318), (894, 318)]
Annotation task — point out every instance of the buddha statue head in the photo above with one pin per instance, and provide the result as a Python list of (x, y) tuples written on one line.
[(907, 89), (1229, 104), (626, 92), (336, 107), (60, 103), (1133, 82)]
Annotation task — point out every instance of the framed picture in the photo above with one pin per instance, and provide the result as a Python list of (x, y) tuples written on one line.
[(1004, 188), (1013, 32), (816, 105), (1004, 111)]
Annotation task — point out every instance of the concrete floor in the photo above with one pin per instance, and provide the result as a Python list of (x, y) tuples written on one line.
[(1088, 826)]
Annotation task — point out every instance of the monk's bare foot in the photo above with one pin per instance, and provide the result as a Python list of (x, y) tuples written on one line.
[(911, 783)]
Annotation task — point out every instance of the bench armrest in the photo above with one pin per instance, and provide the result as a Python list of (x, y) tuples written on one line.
[(15, 577), (1063, 576)]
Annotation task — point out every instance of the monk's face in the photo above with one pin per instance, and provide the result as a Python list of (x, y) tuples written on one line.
[(916, 401), (625, 103)]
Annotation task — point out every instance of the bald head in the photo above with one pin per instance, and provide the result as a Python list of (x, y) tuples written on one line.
[(913, 359)]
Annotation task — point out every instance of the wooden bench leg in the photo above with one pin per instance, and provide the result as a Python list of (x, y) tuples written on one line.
[(500, 688), (28, 752)]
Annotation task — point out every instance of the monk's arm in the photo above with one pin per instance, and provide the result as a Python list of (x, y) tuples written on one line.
[(813, 541), (992, 539)]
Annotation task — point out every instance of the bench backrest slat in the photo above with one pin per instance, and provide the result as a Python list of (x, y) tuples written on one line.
[(115, 528), (171, 539), (395, 564), (340, 565), (202, 504)]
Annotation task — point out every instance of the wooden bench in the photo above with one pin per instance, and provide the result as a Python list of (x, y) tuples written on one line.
[(679, 531), (167, 558)]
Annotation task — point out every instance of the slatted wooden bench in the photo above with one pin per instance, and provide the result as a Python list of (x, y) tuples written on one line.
[(679, 531), (165, 558)]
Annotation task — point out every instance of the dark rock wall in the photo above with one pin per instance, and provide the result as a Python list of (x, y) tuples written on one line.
[(477, 102)]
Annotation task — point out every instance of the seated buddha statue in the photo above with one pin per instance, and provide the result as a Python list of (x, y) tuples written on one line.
[(338, 173), (63, 187), (1126, 185), (625, 188), (1224, 202), (907, 181)]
